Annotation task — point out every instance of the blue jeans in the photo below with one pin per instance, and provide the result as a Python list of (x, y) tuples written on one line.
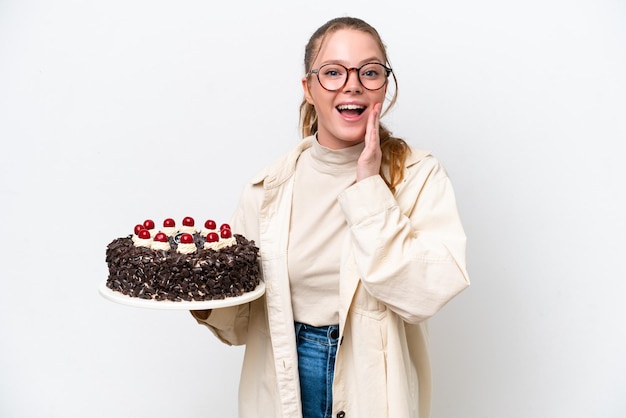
[(317, 347)]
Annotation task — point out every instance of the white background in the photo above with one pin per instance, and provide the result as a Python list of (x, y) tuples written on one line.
[(113, 112)]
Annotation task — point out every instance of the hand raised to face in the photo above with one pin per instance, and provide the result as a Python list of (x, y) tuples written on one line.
[(370, 160)]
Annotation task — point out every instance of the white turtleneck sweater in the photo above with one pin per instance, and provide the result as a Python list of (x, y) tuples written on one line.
[(317, 231)]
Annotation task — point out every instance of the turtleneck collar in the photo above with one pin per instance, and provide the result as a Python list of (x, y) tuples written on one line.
[(334, 161)]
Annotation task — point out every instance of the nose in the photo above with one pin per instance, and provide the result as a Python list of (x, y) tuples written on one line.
[(353, 84)]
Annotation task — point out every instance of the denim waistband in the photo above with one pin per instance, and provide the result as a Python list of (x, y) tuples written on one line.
[(327, 335)]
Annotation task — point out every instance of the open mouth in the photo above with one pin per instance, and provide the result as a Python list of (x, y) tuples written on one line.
[(351, 109)]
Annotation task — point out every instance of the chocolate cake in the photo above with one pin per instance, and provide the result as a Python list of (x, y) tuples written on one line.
[(213, 265)]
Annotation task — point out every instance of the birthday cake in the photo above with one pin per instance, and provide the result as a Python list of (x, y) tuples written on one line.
[(182, 263)]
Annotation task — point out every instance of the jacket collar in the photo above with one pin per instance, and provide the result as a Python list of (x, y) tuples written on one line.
[(277, 173)]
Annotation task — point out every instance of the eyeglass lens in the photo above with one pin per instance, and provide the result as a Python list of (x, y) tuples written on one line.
[(372, 76)]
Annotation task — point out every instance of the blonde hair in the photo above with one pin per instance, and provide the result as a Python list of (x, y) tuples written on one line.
[(394, 150)]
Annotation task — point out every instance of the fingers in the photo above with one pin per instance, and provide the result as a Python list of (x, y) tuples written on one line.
[(370, 160), (371, 133)]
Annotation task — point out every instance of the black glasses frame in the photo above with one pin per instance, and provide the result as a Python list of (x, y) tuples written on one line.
[(316, 71)]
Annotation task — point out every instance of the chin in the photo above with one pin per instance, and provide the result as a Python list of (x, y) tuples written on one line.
[(353, 138), (341, 137), (353, 141)]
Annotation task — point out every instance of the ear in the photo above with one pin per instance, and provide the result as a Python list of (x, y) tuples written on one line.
[(306, 90)]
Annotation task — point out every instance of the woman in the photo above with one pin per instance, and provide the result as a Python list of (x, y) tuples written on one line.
[(360, 244)]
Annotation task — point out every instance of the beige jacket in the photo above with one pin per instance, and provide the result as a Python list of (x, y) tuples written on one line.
[(402, 261)]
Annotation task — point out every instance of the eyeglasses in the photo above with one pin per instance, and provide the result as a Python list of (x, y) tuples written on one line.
[(333, 77)]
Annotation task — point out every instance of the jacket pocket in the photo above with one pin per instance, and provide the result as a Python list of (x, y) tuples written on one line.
[(367, 305)]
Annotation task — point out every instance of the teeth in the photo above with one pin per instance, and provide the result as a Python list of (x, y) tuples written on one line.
[(350, 107)]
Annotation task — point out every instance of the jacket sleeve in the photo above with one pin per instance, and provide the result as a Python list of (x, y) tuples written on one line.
[(230, 325), (409, 248)]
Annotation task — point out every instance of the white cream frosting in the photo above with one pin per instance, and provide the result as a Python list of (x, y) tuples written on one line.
[(187, 229), (205, 231), (222, 243), (160, 245), (186, 248), (169, 230), (142, 242)]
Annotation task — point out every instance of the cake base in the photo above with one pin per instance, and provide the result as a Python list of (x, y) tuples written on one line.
[(202, 275), (123, 299)]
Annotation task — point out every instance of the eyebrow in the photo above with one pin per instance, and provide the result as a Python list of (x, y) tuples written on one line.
[(365, 61)]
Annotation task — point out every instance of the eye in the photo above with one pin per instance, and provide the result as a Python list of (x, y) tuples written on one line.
[(331, 71), (372, 71)]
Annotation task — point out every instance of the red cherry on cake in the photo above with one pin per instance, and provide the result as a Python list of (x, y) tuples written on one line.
[(138, 228), (226, 233), (186, 239), (212, 237), (210, 224), (169, 223), (160, 237), (144, 234), (148, 224), (188, 221), (224, 226)]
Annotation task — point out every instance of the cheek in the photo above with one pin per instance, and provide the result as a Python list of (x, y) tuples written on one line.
[(313, 94), (321, 99), (380, 95)]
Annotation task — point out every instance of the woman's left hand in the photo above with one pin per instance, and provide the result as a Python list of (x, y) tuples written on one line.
[(371, 157)]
